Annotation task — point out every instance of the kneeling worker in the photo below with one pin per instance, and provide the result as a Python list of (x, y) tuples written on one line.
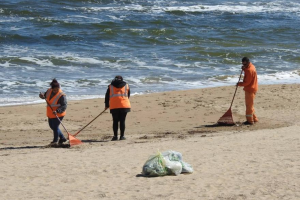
[(117, 100), (250, 87)]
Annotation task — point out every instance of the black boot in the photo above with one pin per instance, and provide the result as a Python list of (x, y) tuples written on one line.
[(62, 140), (248, 123), (122, 137), (114, 138)]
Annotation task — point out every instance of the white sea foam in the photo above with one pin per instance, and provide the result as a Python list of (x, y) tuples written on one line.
[(25, 100), (250, 8), (6, 64), (117, 8), (275, 78), (85, 17), (181, 65), (14, 50), (144, 84), (11, 19), (13, 28), (82, 60), (108, 44), (43, 63), (115, 18), (241, 7)]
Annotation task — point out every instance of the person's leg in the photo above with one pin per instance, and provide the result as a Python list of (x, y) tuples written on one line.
[(52, 122), (56, 130), (122, 123), (116, 120), (249, 98), (255, 119), (60, 134)]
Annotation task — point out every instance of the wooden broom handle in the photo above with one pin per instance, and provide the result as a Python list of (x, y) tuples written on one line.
[(236, 89)]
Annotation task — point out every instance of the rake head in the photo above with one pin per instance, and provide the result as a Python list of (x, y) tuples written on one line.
[(226, 119), (73, 140)]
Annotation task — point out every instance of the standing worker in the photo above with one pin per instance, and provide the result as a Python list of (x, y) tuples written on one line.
[(58, 101), (250, 87), (117, 100)]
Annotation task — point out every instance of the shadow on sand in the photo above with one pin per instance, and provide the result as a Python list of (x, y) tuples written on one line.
[(215, 125), (94, 141), (24, 147)]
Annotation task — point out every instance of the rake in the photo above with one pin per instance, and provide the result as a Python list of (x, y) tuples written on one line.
[(227, 118)]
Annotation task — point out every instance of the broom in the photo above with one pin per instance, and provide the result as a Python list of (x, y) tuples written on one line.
[(227, 119)]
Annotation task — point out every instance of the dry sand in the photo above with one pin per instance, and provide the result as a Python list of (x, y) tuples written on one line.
[(240, 162)]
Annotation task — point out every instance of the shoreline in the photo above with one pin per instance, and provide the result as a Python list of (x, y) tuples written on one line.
[(135, 94)]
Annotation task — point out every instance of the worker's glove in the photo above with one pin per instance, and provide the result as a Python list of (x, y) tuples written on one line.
[(42, 96), (54, 112)]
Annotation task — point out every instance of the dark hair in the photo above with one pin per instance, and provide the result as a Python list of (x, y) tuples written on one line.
[(245, 59), (119, 78), (54, 84)]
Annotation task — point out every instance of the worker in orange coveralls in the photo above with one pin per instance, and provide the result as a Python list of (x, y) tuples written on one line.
[(250, 87)]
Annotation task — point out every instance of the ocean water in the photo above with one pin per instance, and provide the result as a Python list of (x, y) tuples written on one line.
[(156, 45)]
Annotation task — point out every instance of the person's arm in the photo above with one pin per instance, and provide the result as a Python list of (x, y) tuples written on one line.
[(107, 98), (63, 104)]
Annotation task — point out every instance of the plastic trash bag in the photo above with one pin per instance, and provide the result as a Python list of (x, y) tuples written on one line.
[(186, 168), (177, 156), (155, 166), (166, 163), (172, 155), (173, 167)]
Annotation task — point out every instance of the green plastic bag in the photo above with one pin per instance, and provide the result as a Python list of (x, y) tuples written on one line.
[(155, 166)]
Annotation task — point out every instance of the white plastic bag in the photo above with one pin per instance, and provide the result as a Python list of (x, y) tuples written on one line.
[(173, 167), (177, 156), (186, 167)]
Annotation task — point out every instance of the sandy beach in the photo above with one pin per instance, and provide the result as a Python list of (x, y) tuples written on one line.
[(238, 162)]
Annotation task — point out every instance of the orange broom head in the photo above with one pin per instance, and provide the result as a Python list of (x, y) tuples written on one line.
[(73, 140), (227, 118)]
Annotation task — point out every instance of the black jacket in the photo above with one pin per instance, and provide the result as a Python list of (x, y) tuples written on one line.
[(117, 84)]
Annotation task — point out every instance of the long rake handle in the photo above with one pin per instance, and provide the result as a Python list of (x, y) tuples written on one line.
[(236, 89), (90, 122), (57, 116)]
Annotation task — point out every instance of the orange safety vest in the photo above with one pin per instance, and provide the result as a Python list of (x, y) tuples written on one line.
[(119, 97), (54, 104)]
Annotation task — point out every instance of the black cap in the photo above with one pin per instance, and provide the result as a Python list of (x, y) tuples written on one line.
[(245, 59)]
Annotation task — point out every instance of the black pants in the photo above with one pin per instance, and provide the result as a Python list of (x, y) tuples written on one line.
[(119, 117)]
